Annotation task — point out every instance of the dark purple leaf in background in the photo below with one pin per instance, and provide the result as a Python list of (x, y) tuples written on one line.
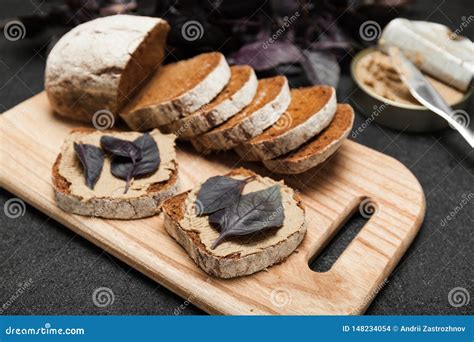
[(118, 7), (321, 68), (264, 55), (330, 35), (284, 8), (233, 8), (239, 29)]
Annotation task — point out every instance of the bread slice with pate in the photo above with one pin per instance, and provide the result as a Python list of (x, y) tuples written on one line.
[(310, 111), (177, 90), (241, 255), (107, 198), (99, 65), (320, 148), (237, 94)]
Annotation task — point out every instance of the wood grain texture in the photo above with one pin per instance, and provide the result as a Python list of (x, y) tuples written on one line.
[(31, 136)]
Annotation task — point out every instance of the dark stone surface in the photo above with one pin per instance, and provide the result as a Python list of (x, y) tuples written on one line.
[(65, 269)]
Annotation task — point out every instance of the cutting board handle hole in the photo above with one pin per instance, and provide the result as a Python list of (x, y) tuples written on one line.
[(323, 260)]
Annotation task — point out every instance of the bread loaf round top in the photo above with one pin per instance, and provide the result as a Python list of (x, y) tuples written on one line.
[(102, 61)]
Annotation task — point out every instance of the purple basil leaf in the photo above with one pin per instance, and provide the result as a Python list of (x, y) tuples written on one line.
[(284, 8), (321, 68), (118, 7), (265, 54), (218, 192), (126, 169), (254, 212), (92, 160), (217, 218), (151, 160), (122, 168), (120, 148), (331, 37)]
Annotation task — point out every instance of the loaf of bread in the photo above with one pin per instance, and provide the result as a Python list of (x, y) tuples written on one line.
[(100, 64)]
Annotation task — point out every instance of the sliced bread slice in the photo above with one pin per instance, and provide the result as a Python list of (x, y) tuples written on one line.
[(237, 94), (176, 90), (310, 111), (98, 65), (108, 199), (270, 101), (241, 255), (319, 148)]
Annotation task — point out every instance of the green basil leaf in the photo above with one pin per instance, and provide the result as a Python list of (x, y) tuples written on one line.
[(92, 160), (254, 212)]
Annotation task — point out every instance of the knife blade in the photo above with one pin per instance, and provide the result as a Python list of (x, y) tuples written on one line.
[(422, 90)]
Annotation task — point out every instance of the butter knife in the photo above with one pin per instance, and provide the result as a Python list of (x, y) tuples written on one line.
[(422, 90)]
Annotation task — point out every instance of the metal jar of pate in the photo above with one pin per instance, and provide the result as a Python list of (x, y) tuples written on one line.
[(396, 115)]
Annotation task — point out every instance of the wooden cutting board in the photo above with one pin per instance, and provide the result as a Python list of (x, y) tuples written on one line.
[(30, 139)]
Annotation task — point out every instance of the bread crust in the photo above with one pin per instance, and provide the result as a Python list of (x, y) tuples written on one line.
[(84, 74), (201, 122), (291, 139), (233, 265), (290, 166), (248, 128), (160, 114)]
